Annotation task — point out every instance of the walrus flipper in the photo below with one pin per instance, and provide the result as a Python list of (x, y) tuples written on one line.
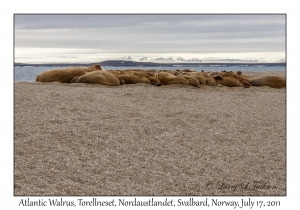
[(74, 80), (156, 83)]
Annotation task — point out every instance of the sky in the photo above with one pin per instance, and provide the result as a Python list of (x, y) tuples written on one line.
[(159, 38)]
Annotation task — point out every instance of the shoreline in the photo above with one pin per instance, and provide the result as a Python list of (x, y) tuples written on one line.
[(142, 140), (251, 74)]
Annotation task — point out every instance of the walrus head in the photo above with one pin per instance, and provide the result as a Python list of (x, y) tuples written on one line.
[(99, 67), (217, 77)]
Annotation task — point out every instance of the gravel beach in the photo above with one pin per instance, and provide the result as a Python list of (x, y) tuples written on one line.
[(142, 140)]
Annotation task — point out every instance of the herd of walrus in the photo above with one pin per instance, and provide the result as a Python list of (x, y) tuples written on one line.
[(98, 75)]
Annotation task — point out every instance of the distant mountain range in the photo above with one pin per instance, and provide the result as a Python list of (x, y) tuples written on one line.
[(134, 63), (149, 64), (174, 59)]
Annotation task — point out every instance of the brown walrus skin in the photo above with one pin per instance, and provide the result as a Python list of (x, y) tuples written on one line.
[(153, 80), (271, 81), (169, 79), (99, 77), (60, 75), (137, 74), (65, 75), (199, 76), (236, 76), (209, 80), (149, 75), (114, 72), (133, 79), (94, 68), (229, 81), (192, 80)]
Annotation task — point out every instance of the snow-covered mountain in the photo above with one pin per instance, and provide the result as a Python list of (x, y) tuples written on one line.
[(173, 59), (161, 59), (281, 60), (226, 60), (128, 58)]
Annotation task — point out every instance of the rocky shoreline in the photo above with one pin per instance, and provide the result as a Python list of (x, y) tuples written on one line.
[(95, 140)]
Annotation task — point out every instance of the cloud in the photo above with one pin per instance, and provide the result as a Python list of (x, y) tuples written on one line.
[(152, 33)]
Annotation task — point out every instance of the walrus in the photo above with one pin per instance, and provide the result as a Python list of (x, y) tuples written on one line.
[(150, 76), (188, 70), (192, 80), (234, 75), (154, 81), (169, 79), (94, 68), (271, 81), (60, 75), (209, 80), (99, 77), (114, 72), (229, 81), (133, 79), (198, 76)]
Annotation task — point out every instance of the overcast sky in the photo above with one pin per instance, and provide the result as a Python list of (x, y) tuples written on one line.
[(95, 38)]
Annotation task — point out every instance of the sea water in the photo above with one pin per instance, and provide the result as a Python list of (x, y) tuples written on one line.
[(29, 73)]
